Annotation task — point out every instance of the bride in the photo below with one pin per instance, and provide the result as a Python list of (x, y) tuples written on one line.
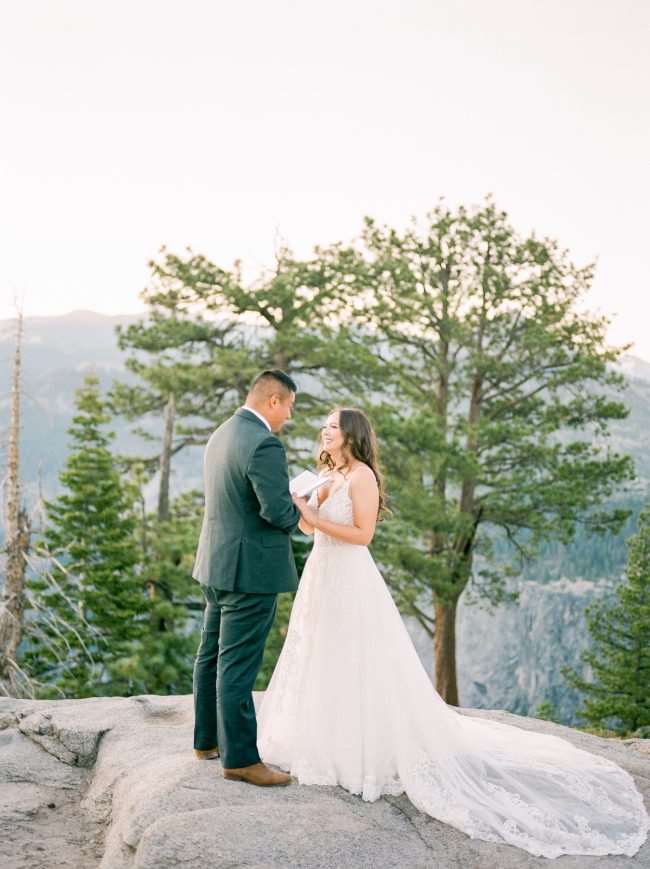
[(350, 704)]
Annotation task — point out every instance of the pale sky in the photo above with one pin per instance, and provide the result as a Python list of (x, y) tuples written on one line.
[(227, 125)]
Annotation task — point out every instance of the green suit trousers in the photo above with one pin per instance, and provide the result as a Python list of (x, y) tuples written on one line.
[(235, 628)]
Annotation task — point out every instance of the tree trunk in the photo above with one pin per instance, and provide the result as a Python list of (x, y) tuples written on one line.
[(12, 601), (166, 458), (12, 607), (445, 651), (281, 360)]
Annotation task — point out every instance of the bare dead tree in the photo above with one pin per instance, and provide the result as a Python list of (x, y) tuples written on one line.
[(166, 458), (49, 630), (12, 599)]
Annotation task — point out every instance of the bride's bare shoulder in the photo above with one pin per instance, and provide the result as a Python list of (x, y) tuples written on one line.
[(362, 475)]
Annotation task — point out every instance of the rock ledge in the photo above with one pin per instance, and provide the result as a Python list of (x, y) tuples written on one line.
[(111, 783)]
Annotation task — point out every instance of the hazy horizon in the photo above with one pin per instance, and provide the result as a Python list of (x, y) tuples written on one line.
[(80, 313)]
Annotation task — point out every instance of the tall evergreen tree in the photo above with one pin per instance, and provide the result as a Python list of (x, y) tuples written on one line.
[(161, 661), (618, 697), (207, 333), (189, 367), (89, 600), (493, 406)]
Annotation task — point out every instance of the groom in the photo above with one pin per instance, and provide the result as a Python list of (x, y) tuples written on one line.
[(244, 559)]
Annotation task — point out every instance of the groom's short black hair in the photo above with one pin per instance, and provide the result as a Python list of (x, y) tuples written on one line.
[(271, 378)]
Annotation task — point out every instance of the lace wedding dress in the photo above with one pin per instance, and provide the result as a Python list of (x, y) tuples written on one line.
[(350, 704)]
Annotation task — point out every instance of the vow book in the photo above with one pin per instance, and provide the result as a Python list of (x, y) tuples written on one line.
[(305, 483)]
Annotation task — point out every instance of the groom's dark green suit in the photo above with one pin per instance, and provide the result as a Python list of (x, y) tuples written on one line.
[(244, 559)]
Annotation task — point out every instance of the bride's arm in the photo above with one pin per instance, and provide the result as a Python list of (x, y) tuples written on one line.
[(365, 502)]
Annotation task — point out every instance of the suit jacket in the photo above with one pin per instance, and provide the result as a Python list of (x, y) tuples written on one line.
[(245, 542)]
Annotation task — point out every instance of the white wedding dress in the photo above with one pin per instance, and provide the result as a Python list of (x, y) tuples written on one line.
[(350, 704)]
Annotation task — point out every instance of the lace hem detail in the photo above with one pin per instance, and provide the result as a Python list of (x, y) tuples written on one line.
[(429, 790)]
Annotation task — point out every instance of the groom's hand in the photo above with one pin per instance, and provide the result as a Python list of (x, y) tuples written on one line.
[(307, 512)]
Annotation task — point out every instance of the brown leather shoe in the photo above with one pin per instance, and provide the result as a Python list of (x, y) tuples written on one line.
[(207, 754), (257, 774)]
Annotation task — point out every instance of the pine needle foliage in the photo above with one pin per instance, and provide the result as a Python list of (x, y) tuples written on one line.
[(91, 605), (617, 697)]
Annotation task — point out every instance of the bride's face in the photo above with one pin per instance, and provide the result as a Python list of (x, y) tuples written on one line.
[(331, 435)]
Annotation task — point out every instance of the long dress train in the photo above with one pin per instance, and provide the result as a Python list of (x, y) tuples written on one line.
[(350, 704)]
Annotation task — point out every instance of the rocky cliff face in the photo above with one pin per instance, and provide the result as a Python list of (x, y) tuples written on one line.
[(113, 784), (512, 657)]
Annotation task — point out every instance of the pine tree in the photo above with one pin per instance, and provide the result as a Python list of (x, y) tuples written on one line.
[(618, 698), (162, 661), (207, 334), (89, 603), (493, 407)]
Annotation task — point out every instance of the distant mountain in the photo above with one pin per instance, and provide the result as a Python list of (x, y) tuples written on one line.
[(58, 352), (512, 658), (634, 368), (77, 340)]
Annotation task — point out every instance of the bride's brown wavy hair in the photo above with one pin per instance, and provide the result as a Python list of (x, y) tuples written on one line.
[(359, 442)]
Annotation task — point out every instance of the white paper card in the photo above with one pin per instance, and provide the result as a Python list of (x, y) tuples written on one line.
[(305, 483)]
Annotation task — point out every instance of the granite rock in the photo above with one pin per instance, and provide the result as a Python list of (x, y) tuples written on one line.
[(112, 783)]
